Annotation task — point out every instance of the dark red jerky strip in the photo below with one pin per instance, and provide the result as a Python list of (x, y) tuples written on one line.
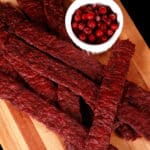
[(62, 50), (69, 102), (7, 68), (34, 10), (140, 122), (72, 133), (4, 64), (137, 97), (110, 94), (39, 84), (52, 69), (111, 147), (126, 132), (55, 15)]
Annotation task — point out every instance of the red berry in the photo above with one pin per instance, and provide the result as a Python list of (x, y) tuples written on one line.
[(82, 37), (91, 38), (99, 33), (78, 12), (99, 25), (77, 18), (97, 18), (74, 25), (110, 32), (87, 31), (103, 10), (84, 17), (104, 17), (89, 8), (114, 26), (94, 6), (96, 12), (113, 16), (104, 38), (103, 27), (91, 24), (107, 21), (83, 8), (81, 26), (90, 16)]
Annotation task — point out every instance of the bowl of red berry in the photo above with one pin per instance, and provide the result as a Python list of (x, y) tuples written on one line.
[(94, 25)]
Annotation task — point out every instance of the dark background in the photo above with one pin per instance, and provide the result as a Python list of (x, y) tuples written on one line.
[(139, 11)]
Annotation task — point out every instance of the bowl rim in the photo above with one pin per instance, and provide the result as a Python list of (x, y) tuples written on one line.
[(97, 48)]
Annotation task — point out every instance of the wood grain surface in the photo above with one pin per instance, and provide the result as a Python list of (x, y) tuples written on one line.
[(18, 131)]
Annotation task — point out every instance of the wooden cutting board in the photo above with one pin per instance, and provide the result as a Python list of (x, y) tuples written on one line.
[(18, 131)]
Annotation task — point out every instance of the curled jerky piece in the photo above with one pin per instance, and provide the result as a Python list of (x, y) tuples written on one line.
[(138, 97), (126, 132), (140, 122), (38, 83), (110, 94), (62, 50)]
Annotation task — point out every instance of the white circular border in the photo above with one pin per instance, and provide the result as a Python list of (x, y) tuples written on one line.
[(98, 48)]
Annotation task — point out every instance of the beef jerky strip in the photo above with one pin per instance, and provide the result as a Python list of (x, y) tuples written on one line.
[(140, 122), (73, 134), (66, 96), (62, 50), (38, 83), (7, 68), (110, 94), (126, 132), (111, 147), (55, 13), (34, 10), (52, 69), (137, 97)]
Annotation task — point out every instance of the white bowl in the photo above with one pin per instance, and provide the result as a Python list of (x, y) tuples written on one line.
[(93, 48)]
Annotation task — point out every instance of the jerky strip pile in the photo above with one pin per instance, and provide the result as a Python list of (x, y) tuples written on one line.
[(110, 94), (28, 102)]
